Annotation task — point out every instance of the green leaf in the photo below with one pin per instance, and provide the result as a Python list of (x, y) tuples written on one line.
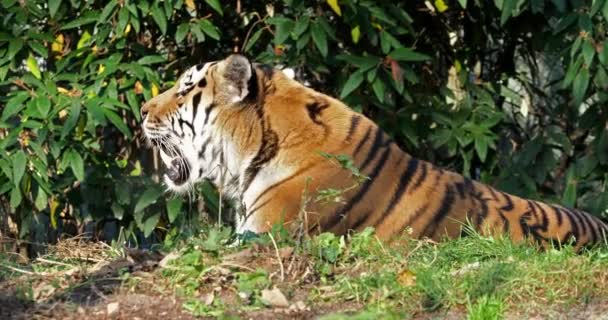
[(14, 105), (174, 207), (32, 65), (595, 7), (107, 11), (407, 54), (283, 28), (38, 48), (254, 38), (41, 200), (87, 18), (150, 224), (182, 32), (605, 11), (355, 34), (603, 54), (463, 3), (215, 4), (159, 17), (117, 122), (209, 29), (150, 196), (14, 46), (19, 161), (319, 37), (601, 78), (301, 26), (352, 84), (53, 7), (43, 104), (123, 20), (147, 60), (481, 147), (118, 210), (579, 86), (379, 88), (15, 197), (76, 164), (72, 119), (507, 10)]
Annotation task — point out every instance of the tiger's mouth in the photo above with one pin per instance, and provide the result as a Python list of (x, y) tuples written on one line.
[(177, 166)]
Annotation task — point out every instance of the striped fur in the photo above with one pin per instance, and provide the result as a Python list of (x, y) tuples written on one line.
[(257, 135)]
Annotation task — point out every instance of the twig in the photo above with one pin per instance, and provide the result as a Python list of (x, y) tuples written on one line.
[(18, 270), (276, 249), (53, 262), (228, 264)]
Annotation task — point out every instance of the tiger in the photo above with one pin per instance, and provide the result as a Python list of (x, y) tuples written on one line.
[(262, 138)]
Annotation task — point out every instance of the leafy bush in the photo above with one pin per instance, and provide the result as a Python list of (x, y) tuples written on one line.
[(508, 92)]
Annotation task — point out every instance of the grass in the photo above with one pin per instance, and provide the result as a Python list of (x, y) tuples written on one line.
[(362, 278)]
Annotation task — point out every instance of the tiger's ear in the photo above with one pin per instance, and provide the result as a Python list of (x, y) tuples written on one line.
[(240, 76)]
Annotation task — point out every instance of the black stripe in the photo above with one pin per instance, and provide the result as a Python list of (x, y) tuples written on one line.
[(441, 213), (376, 145), (421, 177), (314, 110), (585, 218), (268, 150), (545, 219), (592, 226), (196, 100), (338, 216), (483, 212), (581, 222), (509, 205), (573, 222), (404, 181), (208, 111), (559, 217), (181, 122), (201, 153), (252, 86), (354, 123), (363, 141), (202, 83), (199, 66)]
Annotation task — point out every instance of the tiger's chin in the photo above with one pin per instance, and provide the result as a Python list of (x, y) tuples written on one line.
[(178, 173)]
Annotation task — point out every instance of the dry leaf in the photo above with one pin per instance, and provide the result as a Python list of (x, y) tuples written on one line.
[(242, 257), (406, 278)]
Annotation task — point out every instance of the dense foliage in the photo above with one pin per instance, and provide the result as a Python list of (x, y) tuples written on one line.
[(511, 92)]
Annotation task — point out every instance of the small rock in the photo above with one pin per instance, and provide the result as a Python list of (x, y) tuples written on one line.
[(298, 306), (113, 308), (209, 299), (275, 298)]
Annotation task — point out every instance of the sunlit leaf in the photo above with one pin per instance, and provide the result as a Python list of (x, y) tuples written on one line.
[(335, 6), (32, 65)]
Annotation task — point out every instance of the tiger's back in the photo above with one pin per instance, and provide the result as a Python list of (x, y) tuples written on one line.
[(269, 132)]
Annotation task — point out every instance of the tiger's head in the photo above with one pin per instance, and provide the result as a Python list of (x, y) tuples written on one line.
[(210, 125)]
